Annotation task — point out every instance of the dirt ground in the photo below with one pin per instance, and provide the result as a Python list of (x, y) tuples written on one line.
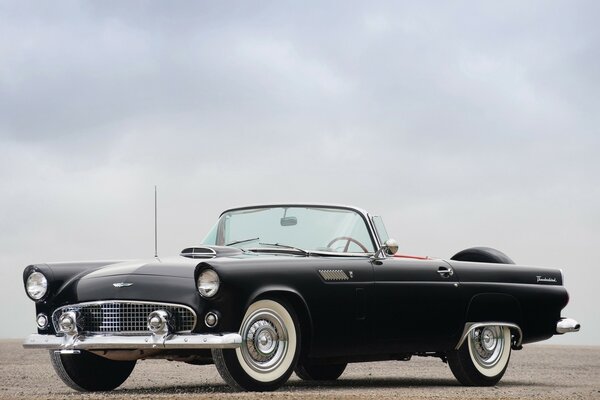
[(536, 372)]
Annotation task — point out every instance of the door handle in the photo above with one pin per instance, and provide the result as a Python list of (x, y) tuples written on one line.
[(445, 272)]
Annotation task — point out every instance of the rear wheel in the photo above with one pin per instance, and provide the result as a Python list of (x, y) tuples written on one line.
[(483, 357), (312, 372), (269, 351), (87, 372)]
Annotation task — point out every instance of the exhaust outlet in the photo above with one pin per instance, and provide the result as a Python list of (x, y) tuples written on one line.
[(566, 325)]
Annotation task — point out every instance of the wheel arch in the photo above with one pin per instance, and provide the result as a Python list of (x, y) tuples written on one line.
[(495, 309), (297, 301)]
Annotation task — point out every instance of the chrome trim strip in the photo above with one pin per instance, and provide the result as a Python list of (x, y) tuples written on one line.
[(336, 254), (114, 342), (469, 326), (93, 303), (566, 325)]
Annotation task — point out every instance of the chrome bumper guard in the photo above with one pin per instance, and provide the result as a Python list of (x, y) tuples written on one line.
[(119, 342), (566, 325)]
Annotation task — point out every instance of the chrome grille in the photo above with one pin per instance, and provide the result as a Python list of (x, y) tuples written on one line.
[(125, 316)]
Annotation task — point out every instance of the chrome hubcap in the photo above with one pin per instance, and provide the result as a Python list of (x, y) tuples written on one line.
[(265, 340), (488, 345), (262, 340)]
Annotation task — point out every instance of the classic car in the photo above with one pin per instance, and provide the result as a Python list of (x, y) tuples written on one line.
[(274, 289)]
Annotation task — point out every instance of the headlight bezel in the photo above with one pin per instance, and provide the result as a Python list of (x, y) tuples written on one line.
[(42, 283), (208, 283)]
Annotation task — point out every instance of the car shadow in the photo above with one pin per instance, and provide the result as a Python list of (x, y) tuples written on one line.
[(399, 382), (341, 384)]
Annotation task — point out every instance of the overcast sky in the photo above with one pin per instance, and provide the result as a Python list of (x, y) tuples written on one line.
[(462, 123)]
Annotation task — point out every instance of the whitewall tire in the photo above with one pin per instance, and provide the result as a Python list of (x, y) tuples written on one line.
[(269, 351), (483, 357)]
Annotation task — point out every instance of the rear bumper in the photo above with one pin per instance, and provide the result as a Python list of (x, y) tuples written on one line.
[(114, 342), (565, 325)]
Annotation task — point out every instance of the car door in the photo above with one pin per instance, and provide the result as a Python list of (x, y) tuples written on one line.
[(418, 305), (340, 304)]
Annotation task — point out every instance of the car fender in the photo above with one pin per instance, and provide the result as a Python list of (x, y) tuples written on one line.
[(296, 300), (494, 307)]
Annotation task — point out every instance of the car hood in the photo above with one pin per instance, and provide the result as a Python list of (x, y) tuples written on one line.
[(169, 279), (179, 266), (176, 266)]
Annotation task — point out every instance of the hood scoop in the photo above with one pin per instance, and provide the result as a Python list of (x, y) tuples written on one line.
[(198, 252), (209, 252)]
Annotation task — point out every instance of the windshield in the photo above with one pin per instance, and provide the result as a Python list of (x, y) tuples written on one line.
[(307, 228)]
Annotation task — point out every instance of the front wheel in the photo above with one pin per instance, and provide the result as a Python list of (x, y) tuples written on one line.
[(483, 357), (87, 372), (269, 351)]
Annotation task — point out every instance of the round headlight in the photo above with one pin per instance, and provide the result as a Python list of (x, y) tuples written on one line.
[(208, 283), (37, 285)]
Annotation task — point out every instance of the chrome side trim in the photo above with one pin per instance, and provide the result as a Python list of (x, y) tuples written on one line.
[(114, 342), (469, 326), (566, 325)]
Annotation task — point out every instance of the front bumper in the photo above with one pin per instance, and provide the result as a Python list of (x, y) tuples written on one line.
[(120, 342)]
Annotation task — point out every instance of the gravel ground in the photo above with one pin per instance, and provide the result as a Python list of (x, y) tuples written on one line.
[(544, 372)]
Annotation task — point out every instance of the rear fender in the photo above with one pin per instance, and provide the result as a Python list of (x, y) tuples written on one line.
[(502, 308), (494, 307)]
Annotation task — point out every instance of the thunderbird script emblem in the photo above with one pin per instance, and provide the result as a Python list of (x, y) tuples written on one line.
[(122, 284), (545, 279)]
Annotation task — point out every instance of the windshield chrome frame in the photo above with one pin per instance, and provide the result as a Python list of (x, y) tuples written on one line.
[(363, 214)]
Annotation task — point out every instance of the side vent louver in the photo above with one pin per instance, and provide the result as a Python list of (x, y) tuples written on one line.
[(333, 275), (198, 252)]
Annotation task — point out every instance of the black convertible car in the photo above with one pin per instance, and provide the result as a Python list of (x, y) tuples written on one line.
[(292, 287)]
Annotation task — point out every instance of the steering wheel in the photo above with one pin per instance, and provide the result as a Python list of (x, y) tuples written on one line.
[(348, 241)]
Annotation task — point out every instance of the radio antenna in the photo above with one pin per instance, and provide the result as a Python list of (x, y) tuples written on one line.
[(155, 224)]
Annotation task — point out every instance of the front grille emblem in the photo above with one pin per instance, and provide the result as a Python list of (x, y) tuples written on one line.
[(122, 284)]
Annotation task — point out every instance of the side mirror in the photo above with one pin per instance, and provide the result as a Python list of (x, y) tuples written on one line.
[(390, 247)]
